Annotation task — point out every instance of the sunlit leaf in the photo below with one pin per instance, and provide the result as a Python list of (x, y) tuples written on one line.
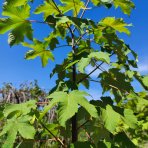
[(39, 49), (110, 118), (69, 104), (17, 125), (130, 118), (117, 24), (16, 23), (48, 8), (23, 108), (74, 5), (125, 5)]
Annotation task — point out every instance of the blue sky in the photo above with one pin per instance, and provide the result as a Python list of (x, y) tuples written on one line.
[(14, 68)]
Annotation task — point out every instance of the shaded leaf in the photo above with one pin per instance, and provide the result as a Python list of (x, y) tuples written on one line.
[(99, 56), (82, 144), (124, 141), (52, 40)]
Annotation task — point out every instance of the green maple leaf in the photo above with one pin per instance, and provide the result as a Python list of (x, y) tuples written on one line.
[(23, 108), (12, 133), (66, 21), (100, 56), (17, 35), (125, 5), (39, 49), (69, 104), (74, 5), (98, 2), (16, 23), (62, 21), (48, 8), (52, 40), (115, 80), (16, 3), (111, 118), (117, 24), (19, 125), (145, 81), (83, 63)]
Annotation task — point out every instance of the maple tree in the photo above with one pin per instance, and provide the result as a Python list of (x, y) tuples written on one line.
[(108, 122)]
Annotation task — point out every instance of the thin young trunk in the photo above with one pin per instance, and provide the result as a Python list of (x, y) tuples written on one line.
[(74, 118), (74, 129)]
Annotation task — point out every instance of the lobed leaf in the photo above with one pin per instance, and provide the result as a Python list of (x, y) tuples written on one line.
[(23, 108), (48, 8), (111, 118), (117, 24), (15, 125), (130, 118), (68, 105), (74, 5), (16, 23), (39, 49), (16, 3), (125, 5), (99, 56)]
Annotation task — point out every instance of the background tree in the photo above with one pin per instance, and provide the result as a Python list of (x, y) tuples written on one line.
[(112, 121)]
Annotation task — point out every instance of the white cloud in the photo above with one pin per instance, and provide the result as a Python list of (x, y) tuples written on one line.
[(143, 68), (94, 94), (143, 64)]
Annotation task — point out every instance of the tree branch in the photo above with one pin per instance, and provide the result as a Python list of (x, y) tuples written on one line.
[(81, 36), (83, 124), (89, 73), (83, 12), (92, 71), (87, 3), (63, 46), (88, 135), (36, 21), (57, 139)]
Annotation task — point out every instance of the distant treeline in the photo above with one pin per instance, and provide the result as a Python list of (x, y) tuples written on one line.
[(25, 92)]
